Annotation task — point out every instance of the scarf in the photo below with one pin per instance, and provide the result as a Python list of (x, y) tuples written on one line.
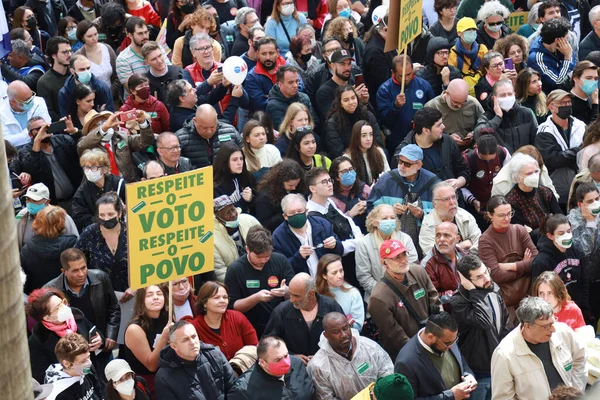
[(462, 52), (62, 330)]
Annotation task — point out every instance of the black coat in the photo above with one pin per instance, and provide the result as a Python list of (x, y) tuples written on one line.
[(179, 116), (268, 214), (476, 324), (84, 201), (196, 149), (319, 76), (288, 323), (590, 43), (159, 85), (256, 384), (40, 259), (210, 377), (377, 66), (338, 138), (430, 73), (516, 128), (278, 104), (37, 164), (104, 301), (570, 266)]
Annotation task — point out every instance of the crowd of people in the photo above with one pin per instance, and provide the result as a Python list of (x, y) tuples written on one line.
[(386, 226)]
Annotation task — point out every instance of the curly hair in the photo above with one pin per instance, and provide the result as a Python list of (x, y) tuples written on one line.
[(287, 170), (374, 216), (491, 8), (336, 29), (504, 44), (340, 116), (375, 158), (202, 17)]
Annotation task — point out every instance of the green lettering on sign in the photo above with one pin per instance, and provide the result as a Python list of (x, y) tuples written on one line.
[(419, 293)]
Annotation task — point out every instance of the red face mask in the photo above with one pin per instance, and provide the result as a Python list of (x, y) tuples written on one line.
[(280, 368)]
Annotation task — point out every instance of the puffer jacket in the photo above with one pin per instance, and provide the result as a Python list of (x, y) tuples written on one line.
[(515, 129), (196, 148), (40, 259), (66, 98), (209, 377), (277, 105), (430, 72)]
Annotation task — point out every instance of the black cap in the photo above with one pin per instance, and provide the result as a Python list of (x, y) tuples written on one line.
[(341, 55)]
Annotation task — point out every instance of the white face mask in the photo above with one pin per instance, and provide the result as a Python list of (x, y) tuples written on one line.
[(108, 135), (64, 314), (506, 103), (93, 176), (287, 10), (126, 388), (565, 240), (594, 207), (532, 180)]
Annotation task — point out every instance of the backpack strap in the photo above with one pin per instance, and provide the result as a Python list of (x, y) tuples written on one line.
[(407, 305), (427, 185), (396, 176)]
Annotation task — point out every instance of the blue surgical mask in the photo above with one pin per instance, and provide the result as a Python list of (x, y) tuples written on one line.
[(494, 28), (589, 86), (84, 77), (72, 35), (535, 26), (387, 226), (348, 178), (27, 106), (35, 208), (470, 36), (233, 224), (345, 13)]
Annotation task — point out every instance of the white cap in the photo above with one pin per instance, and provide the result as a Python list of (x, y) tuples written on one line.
[(116, 369)]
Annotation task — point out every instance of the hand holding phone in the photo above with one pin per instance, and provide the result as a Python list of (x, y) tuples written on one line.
[(508, 63), (56, 127), (358, 79), (128, 115)]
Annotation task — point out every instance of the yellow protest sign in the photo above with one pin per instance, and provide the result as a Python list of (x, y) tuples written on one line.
[(411, 22), (517, 20), (170, 227)]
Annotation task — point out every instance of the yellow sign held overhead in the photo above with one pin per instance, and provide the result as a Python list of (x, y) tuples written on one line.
[(411, 22), (517, 20), (170, 227)]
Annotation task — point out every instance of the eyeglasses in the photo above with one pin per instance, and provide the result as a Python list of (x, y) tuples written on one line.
[(63, 302), (495, 23), (447, 199), (448, 345), (497, 65), (443, 53), (324, 182), (65, 52), (182, 282), (345, 171), (547, 327), (502, 216), (93, 169), (203, 49), (29, 100), (405, 163), (171, 149)]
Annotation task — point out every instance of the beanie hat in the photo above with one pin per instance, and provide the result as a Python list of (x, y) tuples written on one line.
[(392, 387)]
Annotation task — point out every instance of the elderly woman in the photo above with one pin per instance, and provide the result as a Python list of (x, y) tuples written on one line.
[(382, 225), (551, 288), (530, 201), (508, 251), (40, 257), (514, 47), (490, 23), (495, 70), (98, 180), (231, 227)]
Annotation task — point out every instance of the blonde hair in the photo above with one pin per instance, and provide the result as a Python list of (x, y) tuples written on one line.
[(50, 222), (372, 227), (95, 156), (336, 28), (290, 114)]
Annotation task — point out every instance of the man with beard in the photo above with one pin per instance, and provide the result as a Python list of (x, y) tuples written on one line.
[(446, 209), (341, 350), (482, 319), (398, 109), (299, 320), (263, 76), (58, 50), (437, 71), (403, 300), (440, 262), (341, 61)]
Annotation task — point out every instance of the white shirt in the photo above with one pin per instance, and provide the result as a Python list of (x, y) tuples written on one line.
[(306, 240)]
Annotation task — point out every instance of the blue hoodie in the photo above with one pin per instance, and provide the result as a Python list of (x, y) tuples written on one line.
[(553, 68), (103, 96)]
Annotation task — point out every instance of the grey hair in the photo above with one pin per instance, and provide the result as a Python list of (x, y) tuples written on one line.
[(487, 58), (291, 198), (199, 37), (32, 120), (440, 185), (533, 308), (242, 13), (175, 327), (302, 27), (20, 48), (534, 14), (594, 13), (516, 164), (501, 83), (490, 9)]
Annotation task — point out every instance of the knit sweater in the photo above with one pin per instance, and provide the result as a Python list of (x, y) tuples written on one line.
[(352, 303)]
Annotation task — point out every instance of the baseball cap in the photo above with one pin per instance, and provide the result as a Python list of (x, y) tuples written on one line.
[(465, 23), (38, 192), (341, 55), (557, 95), (222, 201), (391, 248), (411, 152), (116, 369)]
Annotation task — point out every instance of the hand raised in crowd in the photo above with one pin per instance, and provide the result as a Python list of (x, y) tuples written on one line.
[(400, 100), (112, 121), (565, 48), (358, 209), (42, 134), (329, 243), (95, 342), (25, 178), (141, 116), (594, 96), (363, 93), (71, 130), (497, 109), (281, 291), (464, 282), (247, 194), (238, 91), (215, 77), (445, 72)]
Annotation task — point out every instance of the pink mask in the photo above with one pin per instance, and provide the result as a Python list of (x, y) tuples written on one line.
[(280, 368)]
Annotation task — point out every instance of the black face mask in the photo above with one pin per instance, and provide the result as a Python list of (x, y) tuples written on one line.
[(305, 57), (350, 38), (188, 8), (31, 23), (564, 112), (109, 223), (115, 30)]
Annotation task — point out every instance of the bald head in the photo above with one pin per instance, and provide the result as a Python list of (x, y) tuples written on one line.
[(206, 121), (153, 169), (446, 238), (18, 93), (301, 281), (458, 92), (447, 226), (302, 291)]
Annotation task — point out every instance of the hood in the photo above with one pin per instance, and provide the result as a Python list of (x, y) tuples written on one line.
[(275, 93), (37, 60), (169, 359), (47, 248), (55, 372), (326, 347), (547, 246), (436, 44)]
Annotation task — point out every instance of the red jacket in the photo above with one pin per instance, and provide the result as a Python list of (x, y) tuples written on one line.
[(157, 110), (195, 71), (236, 332)]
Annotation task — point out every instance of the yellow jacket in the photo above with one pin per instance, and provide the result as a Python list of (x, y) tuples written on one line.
[(469, 76)]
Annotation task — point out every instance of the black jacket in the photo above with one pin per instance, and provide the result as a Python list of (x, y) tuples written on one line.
[(268, 214), (179, 116), (104, 301), (590, 43), (209, 377), (430, 72), (159, 85), (48, 15), (76, 13), (516, 128), (40, 259), (476, 320), (288, 323), (196, 149), (338, 138), (377, 66), (453, 164), (84, 201), (570, 266), (37, 164), (319, 76), (256, 384), (278, 104), (183, 165), (40, 67)]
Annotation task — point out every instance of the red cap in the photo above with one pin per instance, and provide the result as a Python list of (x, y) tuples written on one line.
[(391, 249)]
